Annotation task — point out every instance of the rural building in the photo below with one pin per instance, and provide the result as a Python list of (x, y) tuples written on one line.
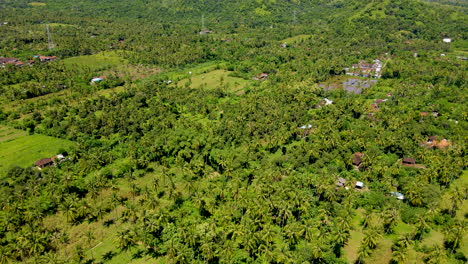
[(205, 31), (14, 61), (261, 76), (359, 185), (96, 79), (58, 158), (324, 102), (397, 195), (306, 130), (47, 58), (42, 163), (357, 158), (433, 142), (341, 182), (408, 161), (447, 40)]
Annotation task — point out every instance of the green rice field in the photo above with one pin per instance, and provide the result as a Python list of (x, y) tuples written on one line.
[(17, 148)]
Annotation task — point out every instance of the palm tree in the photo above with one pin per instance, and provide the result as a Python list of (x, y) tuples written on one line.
[(454, 234), (125, 240), (68, 207), (371, 238), (399, 255), (436, 256), (363, 252)]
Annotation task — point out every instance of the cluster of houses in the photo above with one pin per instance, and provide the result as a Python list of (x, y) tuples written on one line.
[(358, 185), (356, 160), (365, 69), (45, 162), (14, 61), (433, 142)]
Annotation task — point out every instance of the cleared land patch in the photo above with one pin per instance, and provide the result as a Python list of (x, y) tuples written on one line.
[(37, 4), (20, 149), (100, 61), (215, 79), (295, 39)]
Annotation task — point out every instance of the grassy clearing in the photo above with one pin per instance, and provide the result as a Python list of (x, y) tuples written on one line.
[(214, 79), (296, 39), (19, 148), (176, 76), (351, 248), (105, 238), (60, 25), (131, 71), (100, 61), (37, 4)]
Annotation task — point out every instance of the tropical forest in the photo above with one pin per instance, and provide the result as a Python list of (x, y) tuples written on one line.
[(234, 131)]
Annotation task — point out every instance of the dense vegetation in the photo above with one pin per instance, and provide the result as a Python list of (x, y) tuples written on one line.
[(165, 171)]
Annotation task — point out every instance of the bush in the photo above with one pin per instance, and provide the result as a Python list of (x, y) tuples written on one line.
[(410, 214)]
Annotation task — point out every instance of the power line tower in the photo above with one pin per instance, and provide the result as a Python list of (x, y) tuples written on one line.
[(49, 38), (294, 17), (203, 23)]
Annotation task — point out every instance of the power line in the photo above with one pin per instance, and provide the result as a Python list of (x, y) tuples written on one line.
[(49, 38)]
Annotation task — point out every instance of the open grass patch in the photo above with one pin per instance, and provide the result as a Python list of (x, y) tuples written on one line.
[(296, 39), (37, 4), (100, 61), (215, 79), (20, 149)]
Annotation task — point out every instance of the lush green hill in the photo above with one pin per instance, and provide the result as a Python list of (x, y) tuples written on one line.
[(241, 145)]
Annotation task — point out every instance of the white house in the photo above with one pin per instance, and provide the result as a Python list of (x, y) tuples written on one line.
[(359, 185), (96, 79), (447, 40)]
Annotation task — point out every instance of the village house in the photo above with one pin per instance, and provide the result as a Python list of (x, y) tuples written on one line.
[(324, 102), (359, 185), (45, 162), (97, 79), (433, 142), (14, 61), (397, 195), (408, 161), (47, 58), (357, 159), (447, 40), (341, 182), (261, 76), (205, 31), (305, 130), (42, 163)]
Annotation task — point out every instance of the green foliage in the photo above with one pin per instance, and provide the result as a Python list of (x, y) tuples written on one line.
[(215, 166)]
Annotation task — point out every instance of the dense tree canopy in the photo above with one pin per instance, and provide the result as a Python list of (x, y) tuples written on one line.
[(163, 170)]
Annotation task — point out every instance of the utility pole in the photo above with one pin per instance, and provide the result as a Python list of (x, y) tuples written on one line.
[(294, 17), (49, 38)]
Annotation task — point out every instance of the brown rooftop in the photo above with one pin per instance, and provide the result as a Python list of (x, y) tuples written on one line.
[(407, 160), (357, 158), (43, 162)]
